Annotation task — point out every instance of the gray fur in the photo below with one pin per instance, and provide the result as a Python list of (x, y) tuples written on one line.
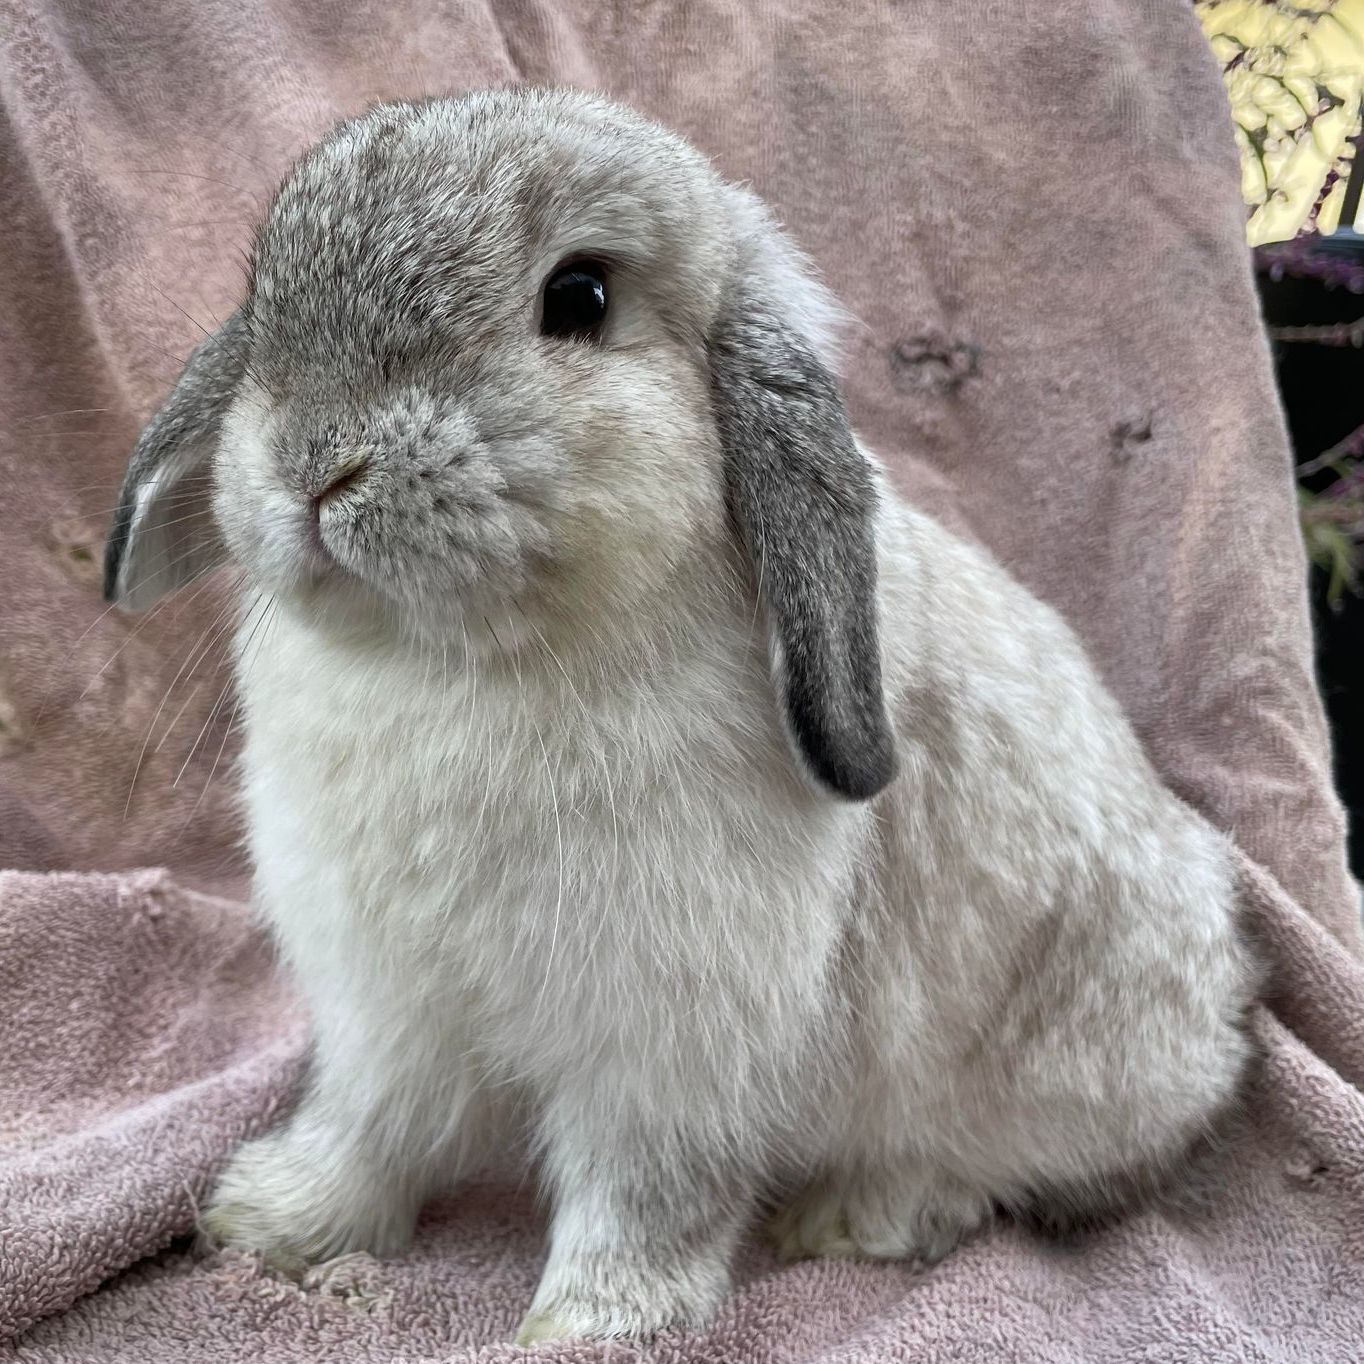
[(529, 823), (163, 534), (802, 500)]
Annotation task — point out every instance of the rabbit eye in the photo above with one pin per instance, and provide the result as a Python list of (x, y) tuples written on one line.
[(575, 300)]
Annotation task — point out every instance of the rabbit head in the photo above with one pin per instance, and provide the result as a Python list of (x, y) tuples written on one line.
[(525, 348)]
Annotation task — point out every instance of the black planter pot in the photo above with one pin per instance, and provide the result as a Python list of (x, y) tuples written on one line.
[(1322, 386)]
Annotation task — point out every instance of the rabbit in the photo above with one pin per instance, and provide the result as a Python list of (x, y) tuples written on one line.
[(637, 786)]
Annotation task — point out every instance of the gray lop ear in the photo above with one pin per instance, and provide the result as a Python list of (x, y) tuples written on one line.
[(802, 500), (163, 533)]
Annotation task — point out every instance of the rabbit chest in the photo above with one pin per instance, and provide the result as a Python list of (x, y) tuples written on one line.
[(547, 872)]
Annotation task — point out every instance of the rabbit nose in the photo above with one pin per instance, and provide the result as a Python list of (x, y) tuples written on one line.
[(339, 478)]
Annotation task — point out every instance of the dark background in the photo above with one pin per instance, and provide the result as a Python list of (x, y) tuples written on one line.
[(1322, 387)]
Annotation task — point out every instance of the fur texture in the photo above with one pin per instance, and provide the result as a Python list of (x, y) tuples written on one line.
[(633, 780)]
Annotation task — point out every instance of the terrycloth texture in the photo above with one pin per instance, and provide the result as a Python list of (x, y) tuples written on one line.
[(148, 1034), (1033, 210)]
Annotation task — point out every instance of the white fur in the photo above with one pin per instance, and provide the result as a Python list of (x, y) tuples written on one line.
[(553, 881), (606, 906)]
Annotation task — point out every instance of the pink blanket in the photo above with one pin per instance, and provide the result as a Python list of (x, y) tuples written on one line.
[(1033, 210)]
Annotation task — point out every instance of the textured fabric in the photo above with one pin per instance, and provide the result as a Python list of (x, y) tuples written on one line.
[(145, 1034), (1033, 211)]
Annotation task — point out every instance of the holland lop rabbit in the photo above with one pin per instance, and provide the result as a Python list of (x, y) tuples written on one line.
[(632, 777)]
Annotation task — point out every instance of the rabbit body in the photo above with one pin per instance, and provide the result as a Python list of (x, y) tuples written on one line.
[(637, 786), (588, 898)]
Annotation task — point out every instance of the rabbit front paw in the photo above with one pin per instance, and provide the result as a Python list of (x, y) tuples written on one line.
[(633, 1307), (301, 1200)]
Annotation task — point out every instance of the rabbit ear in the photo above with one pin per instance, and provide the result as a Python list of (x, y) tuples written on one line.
[(802, 499), (163, 532)]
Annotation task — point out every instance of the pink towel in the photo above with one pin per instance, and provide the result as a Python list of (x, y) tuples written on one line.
[(1033, 210)]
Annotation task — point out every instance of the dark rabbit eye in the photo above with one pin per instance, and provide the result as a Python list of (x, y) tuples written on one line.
[(575, 300)]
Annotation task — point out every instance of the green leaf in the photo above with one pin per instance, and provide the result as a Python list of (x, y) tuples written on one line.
[(1331, 549)]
